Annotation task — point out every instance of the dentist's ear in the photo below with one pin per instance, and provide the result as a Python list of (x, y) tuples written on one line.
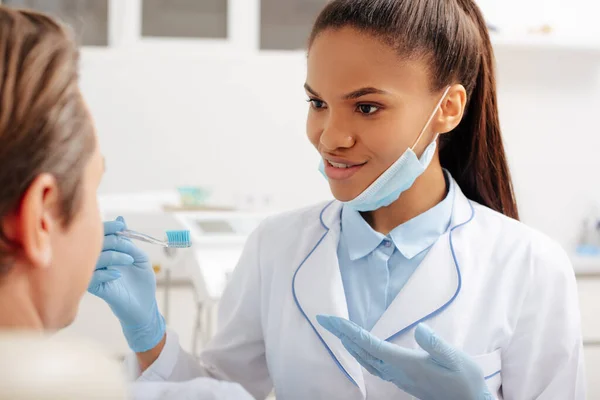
[(35, 219), (451, 110)]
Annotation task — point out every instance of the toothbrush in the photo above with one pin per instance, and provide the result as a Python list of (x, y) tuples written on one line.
[(175, 239)]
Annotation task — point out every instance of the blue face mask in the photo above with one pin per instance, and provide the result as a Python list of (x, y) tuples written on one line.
[(398, 178)]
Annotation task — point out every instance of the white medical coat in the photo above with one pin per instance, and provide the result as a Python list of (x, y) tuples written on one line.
[(491, 286)]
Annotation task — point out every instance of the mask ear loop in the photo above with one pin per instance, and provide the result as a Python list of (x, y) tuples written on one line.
[(435, 110)]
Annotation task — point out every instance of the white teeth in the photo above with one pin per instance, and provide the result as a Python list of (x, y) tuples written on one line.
[(338, 165)]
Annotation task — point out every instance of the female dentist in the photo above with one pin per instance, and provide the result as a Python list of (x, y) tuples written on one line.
[(425, 229)]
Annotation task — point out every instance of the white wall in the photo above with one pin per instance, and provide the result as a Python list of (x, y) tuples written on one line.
[(186, 117), (178, 115), (548, 104)]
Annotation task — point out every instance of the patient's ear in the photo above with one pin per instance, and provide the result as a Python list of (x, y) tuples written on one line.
[(29, 227)]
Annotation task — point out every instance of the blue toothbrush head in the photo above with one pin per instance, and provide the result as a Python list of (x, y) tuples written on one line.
[(179, 239)]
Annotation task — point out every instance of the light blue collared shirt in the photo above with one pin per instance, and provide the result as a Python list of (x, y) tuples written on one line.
[(375, 267)]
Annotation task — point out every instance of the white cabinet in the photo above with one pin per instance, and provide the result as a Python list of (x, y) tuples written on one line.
[(592, 365), (589, 298), (286, 25), (89, 18), (184, 18), (252, 25)]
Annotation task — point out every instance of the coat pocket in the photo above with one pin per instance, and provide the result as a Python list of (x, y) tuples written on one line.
[(491, 365)]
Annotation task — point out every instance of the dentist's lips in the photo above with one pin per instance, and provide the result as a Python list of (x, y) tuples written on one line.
[(339, 170)]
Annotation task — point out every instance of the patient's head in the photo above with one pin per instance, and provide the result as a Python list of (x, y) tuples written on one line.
[(50, 169)]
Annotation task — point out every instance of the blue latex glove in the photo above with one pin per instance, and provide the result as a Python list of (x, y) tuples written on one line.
[(125, 279), (437, 372)]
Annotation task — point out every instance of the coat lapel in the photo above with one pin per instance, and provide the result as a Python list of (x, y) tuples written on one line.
[(318, 289), (433, 286)]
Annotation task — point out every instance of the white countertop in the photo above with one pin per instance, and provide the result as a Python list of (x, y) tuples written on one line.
[(586, 265)]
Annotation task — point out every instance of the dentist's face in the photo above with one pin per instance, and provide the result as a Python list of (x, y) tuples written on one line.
[(367, 106)]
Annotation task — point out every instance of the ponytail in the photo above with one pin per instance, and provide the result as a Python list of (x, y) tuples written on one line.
[(474, 152)]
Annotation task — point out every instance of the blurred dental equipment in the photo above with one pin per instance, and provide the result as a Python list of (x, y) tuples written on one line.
[(589, 238)]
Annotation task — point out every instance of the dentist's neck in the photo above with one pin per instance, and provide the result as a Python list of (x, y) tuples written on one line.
[(17, 305), (427, 191)]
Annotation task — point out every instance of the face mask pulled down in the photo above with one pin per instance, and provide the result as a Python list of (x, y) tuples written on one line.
[(398, 178)]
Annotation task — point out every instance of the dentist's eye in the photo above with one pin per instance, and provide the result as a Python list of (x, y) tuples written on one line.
[(367, 109), (317, 104)]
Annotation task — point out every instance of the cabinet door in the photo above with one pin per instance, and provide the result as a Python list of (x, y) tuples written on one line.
[(205, 19), (286, 24), (88, 18), (592, 371)]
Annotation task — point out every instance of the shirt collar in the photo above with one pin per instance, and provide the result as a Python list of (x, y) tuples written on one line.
[(360, 237), (421, 232), (410, 238)]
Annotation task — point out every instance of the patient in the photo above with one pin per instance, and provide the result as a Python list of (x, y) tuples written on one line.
[(50, 167)]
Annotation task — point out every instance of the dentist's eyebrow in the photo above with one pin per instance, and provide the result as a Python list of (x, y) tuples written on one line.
[(363, 92), (311, 90), (352, 95)]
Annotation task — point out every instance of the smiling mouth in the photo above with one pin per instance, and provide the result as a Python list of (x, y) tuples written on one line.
[(338, 171), (342, 165)]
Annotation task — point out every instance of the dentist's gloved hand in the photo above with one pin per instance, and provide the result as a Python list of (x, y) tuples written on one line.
[(125, 280), (437, 372)]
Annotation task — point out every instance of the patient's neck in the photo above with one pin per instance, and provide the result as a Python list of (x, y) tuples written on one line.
[(17, 306)]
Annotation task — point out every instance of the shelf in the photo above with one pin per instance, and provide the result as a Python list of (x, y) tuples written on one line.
[(545, 42)]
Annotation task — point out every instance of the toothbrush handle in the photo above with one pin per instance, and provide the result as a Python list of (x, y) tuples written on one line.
[(141, 237)]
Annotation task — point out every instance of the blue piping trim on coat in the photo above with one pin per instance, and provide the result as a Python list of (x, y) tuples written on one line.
[(492, 375), (340, 366), (442, 308)]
